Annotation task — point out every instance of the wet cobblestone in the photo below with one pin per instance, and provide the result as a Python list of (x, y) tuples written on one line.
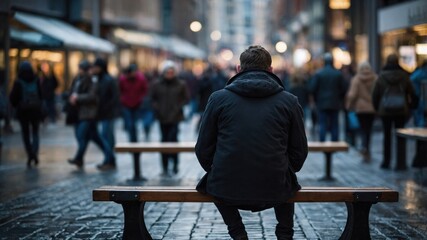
[(54, 201)]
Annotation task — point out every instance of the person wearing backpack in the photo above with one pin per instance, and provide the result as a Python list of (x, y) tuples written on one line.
[(26, 98), (419, 81), (393, 96)]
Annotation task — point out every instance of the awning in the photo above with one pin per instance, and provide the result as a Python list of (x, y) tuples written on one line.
[(173, 44), (32, 38), (138, 38), (68, 35), (183, 48)]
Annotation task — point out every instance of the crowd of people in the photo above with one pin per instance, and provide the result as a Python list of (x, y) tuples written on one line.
[(95, 99)]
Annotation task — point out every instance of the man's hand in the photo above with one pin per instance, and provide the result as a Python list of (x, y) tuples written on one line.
[(73, 99)]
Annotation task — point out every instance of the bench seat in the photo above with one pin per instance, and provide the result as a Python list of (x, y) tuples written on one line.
[(133, 199)]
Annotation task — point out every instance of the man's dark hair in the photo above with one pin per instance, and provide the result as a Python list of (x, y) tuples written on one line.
[(255, 58)]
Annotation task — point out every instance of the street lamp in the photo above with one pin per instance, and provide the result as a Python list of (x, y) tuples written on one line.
[(195, 26), (281, 47), (216, 35)]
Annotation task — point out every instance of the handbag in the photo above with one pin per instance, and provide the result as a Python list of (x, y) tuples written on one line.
[(353, 121), (201, 186)]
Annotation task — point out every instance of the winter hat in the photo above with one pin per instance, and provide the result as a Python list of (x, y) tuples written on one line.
[(84, 65), (167, 65), (99, 62), (25, 71)]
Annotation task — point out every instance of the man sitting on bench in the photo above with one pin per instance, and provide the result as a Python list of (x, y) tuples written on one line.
[(251, 143)]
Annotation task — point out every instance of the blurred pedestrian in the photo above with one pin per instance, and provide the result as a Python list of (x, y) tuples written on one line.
[(392, 97), (108, 108), (419, 81), (27, 98), (3, 113), (85, 99), (359, 99), (147, 112), (299, 87), (350, 131), (251, 143), (133, 88), (192, 85), (168, 97), (328, 89), (49, 84), (205, 89)]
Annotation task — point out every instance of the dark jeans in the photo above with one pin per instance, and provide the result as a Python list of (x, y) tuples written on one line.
[(107, 135), (236, 229), (390, 123), (87, 130), (131, 117), (50, 109), (328, 122), (366, 121), (30, 136), (169, 134)]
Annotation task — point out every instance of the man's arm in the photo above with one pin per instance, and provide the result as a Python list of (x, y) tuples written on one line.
[(206, 141), (297, 148)]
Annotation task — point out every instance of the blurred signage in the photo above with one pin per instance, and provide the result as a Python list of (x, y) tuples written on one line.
[(402, 16), (339, 4)]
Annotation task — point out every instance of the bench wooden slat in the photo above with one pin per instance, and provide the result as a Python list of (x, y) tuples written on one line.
[(180, 194), (176, 147), (413, 133)]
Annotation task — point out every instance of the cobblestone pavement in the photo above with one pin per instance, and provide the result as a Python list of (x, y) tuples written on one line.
[(54, 201)]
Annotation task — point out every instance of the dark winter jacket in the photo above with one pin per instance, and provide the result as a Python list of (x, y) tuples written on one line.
[(87, 99), (252, 141), (393, 76), (25, 74), (108, 97), (168, 97), (328, 88)]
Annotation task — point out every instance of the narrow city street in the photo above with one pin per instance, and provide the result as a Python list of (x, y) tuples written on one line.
[(54, 200)]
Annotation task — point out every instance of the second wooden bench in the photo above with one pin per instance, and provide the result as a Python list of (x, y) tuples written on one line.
[(177, 147)]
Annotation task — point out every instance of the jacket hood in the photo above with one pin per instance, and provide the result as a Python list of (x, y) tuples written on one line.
[(255, 83), (393, 77), (25, 71)]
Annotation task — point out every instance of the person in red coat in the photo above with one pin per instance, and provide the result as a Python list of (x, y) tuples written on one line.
[(133, 88)]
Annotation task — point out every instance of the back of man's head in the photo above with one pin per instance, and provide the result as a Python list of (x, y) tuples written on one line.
[(255, 58)]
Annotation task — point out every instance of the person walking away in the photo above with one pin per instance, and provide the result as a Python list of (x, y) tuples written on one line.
[(27, 99), (168, 97), (133, 88), (108, 108), (251, 143), (192, 85), (204, 91), (328, 89), (359, 99), (49, 84), (85, 98), (419, 81), (299, 88), (392, 97)]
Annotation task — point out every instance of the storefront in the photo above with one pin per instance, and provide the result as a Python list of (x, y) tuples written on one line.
[(403, 31), (53, 44), (148, 50)]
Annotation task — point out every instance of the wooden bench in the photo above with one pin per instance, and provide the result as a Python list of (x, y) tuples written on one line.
[(419, 134), (133, 199), (177, 147)]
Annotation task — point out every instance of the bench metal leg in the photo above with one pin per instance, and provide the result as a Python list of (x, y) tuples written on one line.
[(134, 221), (357, 226), (328, 167), (137, 168)]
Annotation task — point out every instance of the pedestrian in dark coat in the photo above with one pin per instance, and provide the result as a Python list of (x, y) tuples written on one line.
[(251, 143), (168, 97), (393, 76), (108, 107), (328, 88), (85, 98), (48, 85), (29, 116)]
